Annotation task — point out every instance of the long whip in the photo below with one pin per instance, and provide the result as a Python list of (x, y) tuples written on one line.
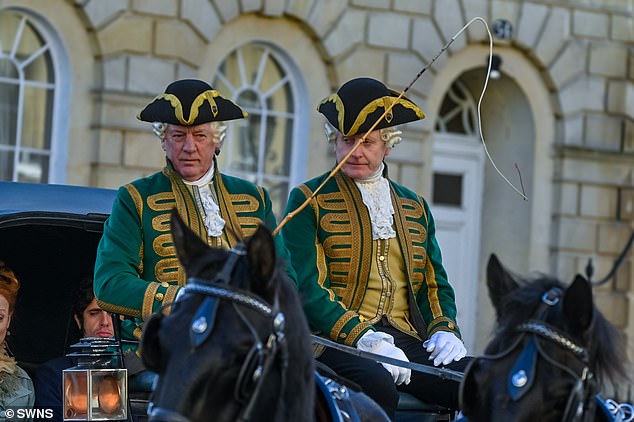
[(293, 213)]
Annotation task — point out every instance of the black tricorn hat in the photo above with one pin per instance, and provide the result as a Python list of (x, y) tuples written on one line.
[(190, 102), (360, 102)]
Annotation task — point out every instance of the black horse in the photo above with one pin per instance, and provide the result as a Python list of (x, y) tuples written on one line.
[(236, 345), (552, 352)]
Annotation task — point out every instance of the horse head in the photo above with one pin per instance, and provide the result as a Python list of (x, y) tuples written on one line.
[(236, 342), (551, 352)]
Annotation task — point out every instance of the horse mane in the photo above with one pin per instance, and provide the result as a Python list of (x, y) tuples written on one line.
[(610, 351), (607, 346)]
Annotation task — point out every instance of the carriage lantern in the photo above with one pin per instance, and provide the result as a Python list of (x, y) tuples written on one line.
[(96, 388)]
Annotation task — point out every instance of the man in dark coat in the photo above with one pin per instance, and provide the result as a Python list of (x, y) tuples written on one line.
[(92, 321)]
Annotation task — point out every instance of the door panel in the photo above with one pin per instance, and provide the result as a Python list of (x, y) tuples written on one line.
[(456, 205)]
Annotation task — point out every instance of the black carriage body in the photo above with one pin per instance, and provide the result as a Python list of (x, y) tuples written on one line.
[(48, 236)]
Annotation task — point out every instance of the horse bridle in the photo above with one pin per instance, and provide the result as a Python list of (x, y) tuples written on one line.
[(261, 356), (580, 403)]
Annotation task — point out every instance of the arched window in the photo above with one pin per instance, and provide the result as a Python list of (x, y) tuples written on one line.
[(458, 111), (259, 148), (27, 90)]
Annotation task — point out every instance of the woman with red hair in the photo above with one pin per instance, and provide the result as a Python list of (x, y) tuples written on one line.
[(16, 388)]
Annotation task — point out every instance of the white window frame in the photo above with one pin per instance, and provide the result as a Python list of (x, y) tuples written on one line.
[(61, 94), (300, 114)]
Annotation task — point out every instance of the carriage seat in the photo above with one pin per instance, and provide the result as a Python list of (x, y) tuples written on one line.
[(411, 409)]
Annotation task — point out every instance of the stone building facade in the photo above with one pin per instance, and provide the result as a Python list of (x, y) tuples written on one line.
[(558, 123)]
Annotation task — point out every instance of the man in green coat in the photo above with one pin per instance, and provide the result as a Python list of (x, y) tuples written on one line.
[(137, 271), (368, 266)]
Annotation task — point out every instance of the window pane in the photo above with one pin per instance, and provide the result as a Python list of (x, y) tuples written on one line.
[(6, 166), (251, 57), (40, 68), (278, 149), (279, 194), (250, 100), (447, 189), (36, 120), (241, 146), (280, 99), (9, 24), (8, 112), (33, 168), (8, 69)]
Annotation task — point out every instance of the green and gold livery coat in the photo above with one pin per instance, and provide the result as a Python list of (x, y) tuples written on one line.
[(330, 242), (137, 270)]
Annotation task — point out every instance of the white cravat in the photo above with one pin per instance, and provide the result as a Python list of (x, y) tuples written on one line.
[(213, 220), (375, 191)]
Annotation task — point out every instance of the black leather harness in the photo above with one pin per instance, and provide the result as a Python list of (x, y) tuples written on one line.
[(260, 357), (581, 400)]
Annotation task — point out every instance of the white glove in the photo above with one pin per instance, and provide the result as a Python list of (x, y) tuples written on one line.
[(383, 344), (444, 347)]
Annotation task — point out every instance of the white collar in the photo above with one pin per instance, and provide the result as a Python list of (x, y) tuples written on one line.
[(375, 191), (213, 221)]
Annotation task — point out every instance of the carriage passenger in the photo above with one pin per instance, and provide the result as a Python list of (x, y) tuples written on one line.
[(92, 321), (137, 270), (368, 265), (16, 388)]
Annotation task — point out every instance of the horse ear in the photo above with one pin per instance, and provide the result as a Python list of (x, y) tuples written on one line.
[(499, 281), (261, 253), (577, 304), (188, 245), (150, 345)]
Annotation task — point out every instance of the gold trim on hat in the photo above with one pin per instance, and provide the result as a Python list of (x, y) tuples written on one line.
[(208, 96), (370, 108)]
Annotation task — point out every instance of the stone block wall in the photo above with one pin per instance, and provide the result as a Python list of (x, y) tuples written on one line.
[(582, 49)]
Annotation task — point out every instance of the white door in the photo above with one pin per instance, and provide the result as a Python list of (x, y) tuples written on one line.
[(456, 206)]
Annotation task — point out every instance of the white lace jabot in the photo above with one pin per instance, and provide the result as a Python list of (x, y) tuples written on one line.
[(213, 221), (375, 191)]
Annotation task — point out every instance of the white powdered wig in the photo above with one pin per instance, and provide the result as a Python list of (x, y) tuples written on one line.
[(390, 135)]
